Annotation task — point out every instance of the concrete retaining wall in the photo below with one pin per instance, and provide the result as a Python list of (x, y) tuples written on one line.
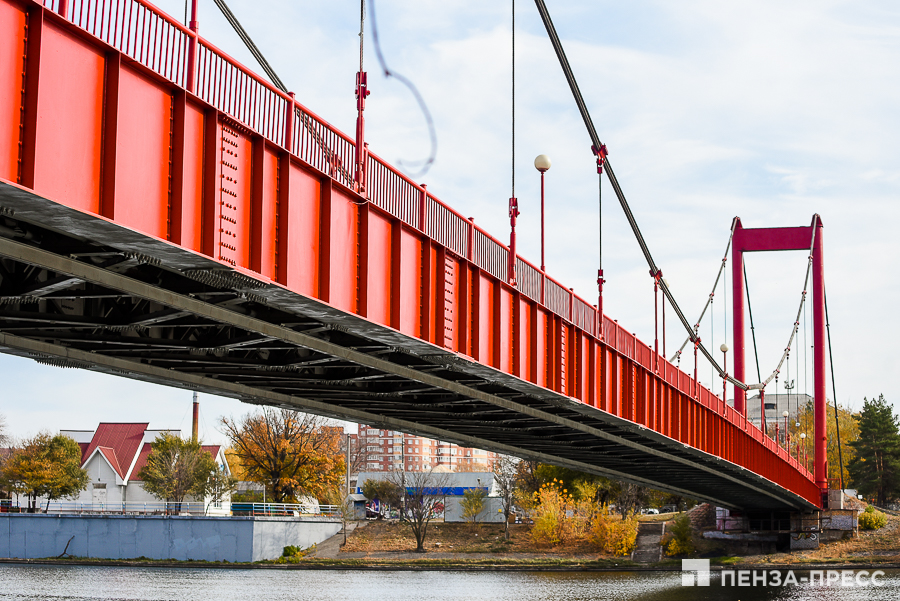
[(30, 536)]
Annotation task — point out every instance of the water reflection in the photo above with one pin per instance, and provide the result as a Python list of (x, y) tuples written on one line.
[(28, 583)]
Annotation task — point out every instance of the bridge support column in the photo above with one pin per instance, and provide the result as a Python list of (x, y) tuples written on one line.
[(820, 403), (737, 296), (792, 238)]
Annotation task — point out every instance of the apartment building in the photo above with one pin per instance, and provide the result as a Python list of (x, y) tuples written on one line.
[(389, 450)]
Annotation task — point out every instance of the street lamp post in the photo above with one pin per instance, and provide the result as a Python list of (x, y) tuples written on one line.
[(542, 164), (786, 432), (803, 440), (724, 349)]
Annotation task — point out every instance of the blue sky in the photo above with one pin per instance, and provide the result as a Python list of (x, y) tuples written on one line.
[(768, 111)]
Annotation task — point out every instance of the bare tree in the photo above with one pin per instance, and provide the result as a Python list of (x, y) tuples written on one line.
[(422, 493), (359, 455), (506, 477), (629, 499), (4, 437)]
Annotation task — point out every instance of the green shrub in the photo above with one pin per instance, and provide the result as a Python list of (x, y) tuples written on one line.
[(680, 539), (871, 519)]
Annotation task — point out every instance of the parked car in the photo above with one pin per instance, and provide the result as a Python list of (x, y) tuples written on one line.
[(650, 511)]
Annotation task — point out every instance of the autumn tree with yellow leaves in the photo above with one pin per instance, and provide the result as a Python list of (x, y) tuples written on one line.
[(46, 466), (292, 454), (803, 448)]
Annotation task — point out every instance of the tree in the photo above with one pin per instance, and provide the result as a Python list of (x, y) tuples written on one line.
[(876, 468), (383, 491), (4, 456), (849, 433), (629, 499), (293, 454), (47, 466), (177, 468), (423, 492), (472, 503), (218, 485), (506, 478), (359, 454)]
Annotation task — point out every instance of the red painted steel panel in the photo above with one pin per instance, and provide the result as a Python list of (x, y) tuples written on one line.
[(303, 215), (436, 290), (192, 179), (265, 221), (410, 279), (505, 332), (448, 330), (540, 348), (342, 251), (69, 138), (235, 196), (143, 154), (12, 55), (485, 314), (378, 289), (525, 340)]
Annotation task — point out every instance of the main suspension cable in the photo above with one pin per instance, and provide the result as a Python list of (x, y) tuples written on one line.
[(796, 327), (305, 119), (599, 148), (712, 293), (245, 37)]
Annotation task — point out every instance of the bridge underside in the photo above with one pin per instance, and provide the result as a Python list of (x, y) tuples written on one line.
[(79, 291)]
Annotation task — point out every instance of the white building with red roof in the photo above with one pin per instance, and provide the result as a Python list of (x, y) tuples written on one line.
[(113, 456)]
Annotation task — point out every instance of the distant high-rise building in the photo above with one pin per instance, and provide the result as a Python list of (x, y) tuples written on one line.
[(388, 450)]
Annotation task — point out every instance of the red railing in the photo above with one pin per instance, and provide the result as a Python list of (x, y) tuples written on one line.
[(137, 29), (397, 195), (556, 298), (323, 146), (491, 255), (239, 93), (528, 280), (447, 227), (150, 37)]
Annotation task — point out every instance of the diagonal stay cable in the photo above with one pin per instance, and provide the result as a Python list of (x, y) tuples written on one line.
[(254, 50), (610, 174), (327, 153)]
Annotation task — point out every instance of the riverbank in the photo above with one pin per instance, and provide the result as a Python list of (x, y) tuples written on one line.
[(389, 546), (474, 565)]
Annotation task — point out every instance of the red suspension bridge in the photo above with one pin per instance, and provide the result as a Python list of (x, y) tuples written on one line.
[(168, 215)]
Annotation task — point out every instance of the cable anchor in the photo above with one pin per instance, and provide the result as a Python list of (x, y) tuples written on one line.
[(601, 154)]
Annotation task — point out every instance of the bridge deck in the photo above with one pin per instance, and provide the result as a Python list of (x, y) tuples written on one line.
[(169, 236)]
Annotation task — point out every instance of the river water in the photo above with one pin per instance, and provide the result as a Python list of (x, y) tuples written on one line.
[(33, 582)]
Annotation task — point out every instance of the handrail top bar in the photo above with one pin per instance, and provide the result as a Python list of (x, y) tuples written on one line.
[(268, 85), (162, 14)]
